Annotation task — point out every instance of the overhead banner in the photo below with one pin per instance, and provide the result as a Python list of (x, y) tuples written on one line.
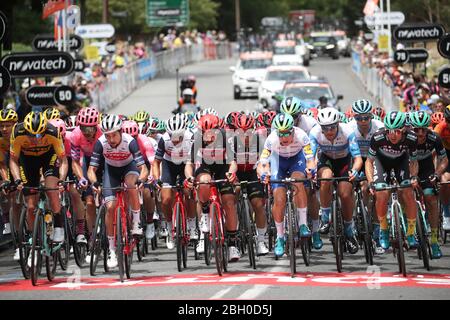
[(95, 31), (162, 13)]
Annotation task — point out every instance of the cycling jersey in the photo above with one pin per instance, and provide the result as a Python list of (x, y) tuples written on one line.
[(177, 154), (443, 131), (364, 142), (216, 153), (381, 146), (23, 143), (146, 147), (432, 143), (81, 144), (306, 123), (120, 156), (300, 143), (343, 144), (246, 154), (68, 144)]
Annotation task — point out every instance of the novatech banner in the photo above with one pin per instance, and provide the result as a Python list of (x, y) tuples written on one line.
[(38, 64)]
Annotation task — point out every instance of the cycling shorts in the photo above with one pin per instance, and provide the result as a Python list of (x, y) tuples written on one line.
[(426, 169), (340, 167), (113, 177), (255, 190), (32, 168), (218, 172), (281, 167), (382, 168), (170, 172)]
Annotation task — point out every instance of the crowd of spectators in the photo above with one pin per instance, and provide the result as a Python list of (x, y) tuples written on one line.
[(175, 39), (414, 90)]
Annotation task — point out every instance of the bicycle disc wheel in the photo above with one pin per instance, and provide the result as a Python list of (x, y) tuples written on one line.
[(400, 240), (120, 245), (216, 240), (249, 234), (36, 247), (96, 242), (23, 244), (337, 237), (178, 236), (423, 239)]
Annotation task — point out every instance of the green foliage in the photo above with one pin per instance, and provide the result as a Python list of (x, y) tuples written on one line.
[(28, 23), (204, 14)]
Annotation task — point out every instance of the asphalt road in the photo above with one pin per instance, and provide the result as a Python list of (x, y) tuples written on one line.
[(157, 276)]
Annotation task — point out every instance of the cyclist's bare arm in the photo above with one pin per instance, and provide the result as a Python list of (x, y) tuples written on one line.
[(14, 167), (413, 167), (156, 171), (64, 167), (357, 163), (77, 169), (189, 169), (369, 169), (144, 172), (91, 174), (3, 171)]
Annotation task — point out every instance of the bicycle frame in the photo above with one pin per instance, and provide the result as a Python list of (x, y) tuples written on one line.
[(179, 201)]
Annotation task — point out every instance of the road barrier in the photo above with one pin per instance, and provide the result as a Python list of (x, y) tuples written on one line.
[(122, 82), (374, 84)]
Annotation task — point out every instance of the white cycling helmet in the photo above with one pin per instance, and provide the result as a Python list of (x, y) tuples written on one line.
[(177, 124), (328, 116), (111, 123), (188, 92), (209, 111)]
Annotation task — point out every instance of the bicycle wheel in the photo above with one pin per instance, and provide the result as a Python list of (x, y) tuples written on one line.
[(249, 234), (36, 247), (128, 246), (224, 245), (178, 236), (365, 232), (422, 251), (207, 244), (291, 238), (96, 242), (64, 251), (336, 236), (119, 244), (400, 240), (216, 229), (24, 244)]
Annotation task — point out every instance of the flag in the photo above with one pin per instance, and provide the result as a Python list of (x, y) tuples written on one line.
[(58, 25), (51, 7), (370, 7)]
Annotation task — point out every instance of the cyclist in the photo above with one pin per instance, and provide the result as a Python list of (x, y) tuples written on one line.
[(288, 152), (187, 102), (428, 144), (146, 147), (210, 155), (443, 131), (436, 118), (8, 118), (379, 111), (141, 116), (83, 139), (393, 147), (247, 146), (122, 160), (52, 114), (36, 145), (339, 157), (171, 156), (364, 126)]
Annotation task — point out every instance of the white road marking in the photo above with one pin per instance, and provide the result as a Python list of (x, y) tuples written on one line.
[(221, 293), (254, 292)]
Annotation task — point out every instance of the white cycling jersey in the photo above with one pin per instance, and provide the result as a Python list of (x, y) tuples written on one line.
[(306, 123), (177, 154), (301, 143), (364, 141), (343, 144)]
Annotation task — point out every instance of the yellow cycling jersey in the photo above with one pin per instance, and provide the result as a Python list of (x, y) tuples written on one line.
[(24, 143)]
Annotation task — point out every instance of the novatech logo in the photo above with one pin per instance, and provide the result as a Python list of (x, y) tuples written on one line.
[(38, 64), (48, 43), (418, 33)]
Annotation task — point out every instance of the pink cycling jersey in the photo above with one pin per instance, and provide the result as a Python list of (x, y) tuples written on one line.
[(67, 144), (146, 147), (81, 144)]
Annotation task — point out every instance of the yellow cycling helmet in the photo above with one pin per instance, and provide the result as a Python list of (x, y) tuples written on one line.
[(52, 114), (141, 116), (35, 123), (7, 115)]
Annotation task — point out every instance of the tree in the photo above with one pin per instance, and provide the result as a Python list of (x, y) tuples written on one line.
[(204, 14)]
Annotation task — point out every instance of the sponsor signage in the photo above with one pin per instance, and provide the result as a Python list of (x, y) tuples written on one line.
[(40, 96), (444, 78), (272, 22), (64, 95), (411, 55), (92, 31), (37, 64), (382, 18), (162, 13), (47, 42), (401, 56), (5, 80), (3, 25), (422, 32), (79, 65), (110, 48), (73, 17), (444, 46)]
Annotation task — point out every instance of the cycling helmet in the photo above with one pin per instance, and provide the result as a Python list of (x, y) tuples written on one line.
[(420, 119), (343, 117), (130, 127), (245, 122), (309, 113), (60, 125), (176, 125), (111, 123), (291, 105), (209, 111), (143, 127), (283, 122), (268, 117), (141, 116), (208, 122), (153, 124), (447, 112), (88, 117), (35, 123), (231, 119), (221, 123), (362, 106), (188, 92), (377, 118), (328, 116), (52, 113), (315, 112), (395, 120), (437, 118), (379, 111), (161, 126), (192, 79), (189, 115), (7, 115), (71, 123)]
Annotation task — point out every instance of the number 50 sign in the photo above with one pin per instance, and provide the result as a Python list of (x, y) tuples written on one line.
[(444, 78)]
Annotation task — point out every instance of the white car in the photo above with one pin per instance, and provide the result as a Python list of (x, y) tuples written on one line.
[(249, 72), (287, 52), (275, 78)]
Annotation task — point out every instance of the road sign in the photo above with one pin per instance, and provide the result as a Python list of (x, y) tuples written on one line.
[(382, 18), (73, 17), (38, 64), (444, 78), (444, 46), (92, 31), (162, 13), (47, 42), (40, 96), (401, 56), (272, 22), (64, 95), (419, 32), (5, 80), (3, 25)]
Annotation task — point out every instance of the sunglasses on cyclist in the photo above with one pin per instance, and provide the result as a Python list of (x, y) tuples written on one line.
[(88, 130), (363, 118), (329, 128), (420, 130), (395, 131), (283, 134)]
